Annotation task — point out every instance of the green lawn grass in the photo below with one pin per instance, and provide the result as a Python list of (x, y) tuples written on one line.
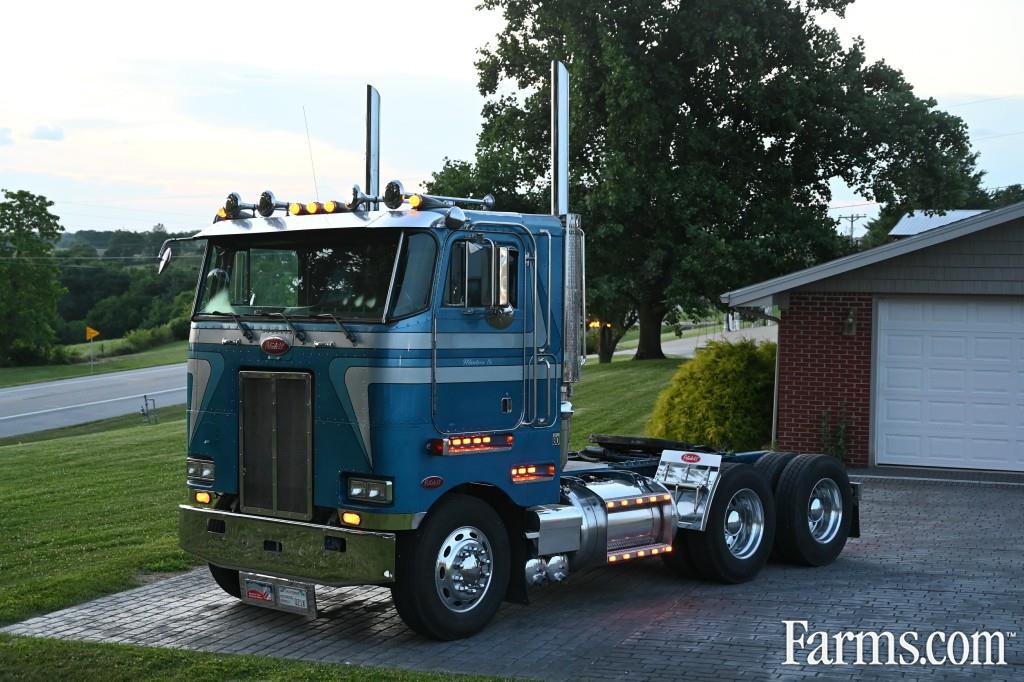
[(83, 516), (89, 508), (161, 355), (618, 397), (29, 658)]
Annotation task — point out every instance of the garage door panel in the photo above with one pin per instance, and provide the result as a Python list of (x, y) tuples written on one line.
[(949, 383), (948, 313), (897, 378), (903, 410), (948, 347), (988, 348), (946, 379), (942, 413), (992, 381), (904, 346)]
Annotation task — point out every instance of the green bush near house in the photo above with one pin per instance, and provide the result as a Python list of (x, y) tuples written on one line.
[(722, 398)]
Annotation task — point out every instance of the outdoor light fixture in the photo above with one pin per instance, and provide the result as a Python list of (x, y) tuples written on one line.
[(850, 323)]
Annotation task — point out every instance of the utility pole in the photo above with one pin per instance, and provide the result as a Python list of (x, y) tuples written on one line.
[(852, 218)]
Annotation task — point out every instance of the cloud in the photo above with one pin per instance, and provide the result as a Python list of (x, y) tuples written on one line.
[(5, 136), (48, 133)]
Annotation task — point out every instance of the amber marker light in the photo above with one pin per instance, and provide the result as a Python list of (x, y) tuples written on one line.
[(203, 497), (296, 209), (415, 201), (314, 207), (332, 206), (351, 518)]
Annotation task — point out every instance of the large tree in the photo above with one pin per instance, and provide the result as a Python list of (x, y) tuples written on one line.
[(31, 289), (704, 136)]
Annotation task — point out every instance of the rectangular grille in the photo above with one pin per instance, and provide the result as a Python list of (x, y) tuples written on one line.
[(275, 444)]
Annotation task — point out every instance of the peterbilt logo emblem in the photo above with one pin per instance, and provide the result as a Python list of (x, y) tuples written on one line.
[(432, 482), (691, 458), (275, 345)]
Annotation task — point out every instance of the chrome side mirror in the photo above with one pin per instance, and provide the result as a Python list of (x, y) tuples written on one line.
[(165, 259)]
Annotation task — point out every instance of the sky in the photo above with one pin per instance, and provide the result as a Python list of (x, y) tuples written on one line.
[(132, 114)]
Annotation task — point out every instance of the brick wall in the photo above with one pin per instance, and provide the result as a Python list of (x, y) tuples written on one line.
[(822, 369)]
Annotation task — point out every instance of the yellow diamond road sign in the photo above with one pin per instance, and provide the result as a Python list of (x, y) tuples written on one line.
[(91, 333)]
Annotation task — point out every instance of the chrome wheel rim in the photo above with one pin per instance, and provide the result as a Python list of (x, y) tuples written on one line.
[(825, 511), (462, 572), (744, 523)]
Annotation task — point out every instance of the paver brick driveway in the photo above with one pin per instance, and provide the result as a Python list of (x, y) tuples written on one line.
[(934, 556)]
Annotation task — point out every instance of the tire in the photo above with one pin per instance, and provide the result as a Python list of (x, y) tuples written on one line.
[(227, 579), (772, 465), (679, 560), (743, 505), (813, 528), (429, 569)]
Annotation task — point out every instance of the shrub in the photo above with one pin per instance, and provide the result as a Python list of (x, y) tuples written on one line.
[(142, 339), (722, 398)]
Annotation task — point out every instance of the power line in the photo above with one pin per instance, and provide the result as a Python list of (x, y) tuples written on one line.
[(981, 101), (992, 137), (853, 218)]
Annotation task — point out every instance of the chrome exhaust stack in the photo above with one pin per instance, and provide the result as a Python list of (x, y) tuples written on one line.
[(574, 292), (559, 139), (372, 145)]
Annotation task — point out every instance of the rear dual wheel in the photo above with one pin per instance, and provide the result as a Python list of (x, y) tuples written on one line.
[(737, 539), (815, 504)]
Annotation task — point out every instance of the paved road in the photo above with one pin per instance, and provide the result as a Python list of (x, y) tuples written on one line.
[(52, 404), (936, 555)]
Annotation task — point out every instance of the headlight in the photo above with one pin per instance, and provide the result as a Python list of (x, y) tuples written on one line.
[(370, 490), (199, 470)]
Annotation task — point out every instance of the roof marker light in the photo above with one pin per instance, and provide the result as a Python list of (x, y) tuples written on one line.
[(314, 207)]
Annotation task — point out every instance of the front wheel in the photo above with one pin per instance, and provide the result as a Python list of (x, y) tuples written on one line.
[(227, 579), (453, 572), (738, 536)]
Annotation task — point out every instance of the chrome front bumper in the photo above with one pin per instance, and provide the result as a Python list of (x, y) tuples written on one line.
[(326, 555)]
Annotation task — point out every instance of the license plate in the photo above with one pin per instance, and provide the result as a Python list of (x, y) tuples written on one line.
[(259, 591), (279, 593), (293, 597)]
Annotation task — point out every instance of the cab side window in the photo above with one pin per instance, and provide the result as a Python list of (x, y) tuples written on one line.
[(477, 287)]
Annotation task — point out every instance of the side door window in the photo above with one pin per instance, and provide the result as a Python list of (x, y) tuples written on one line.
[(479, 372)]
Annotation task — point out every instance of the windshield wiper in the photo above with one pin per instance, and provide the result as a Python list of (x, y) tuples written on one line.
[(348, 333), (246, 332), (299, 334)]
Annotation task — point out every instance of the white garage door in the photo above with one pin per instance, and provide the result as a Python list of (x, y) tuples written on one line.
[(949, 386)]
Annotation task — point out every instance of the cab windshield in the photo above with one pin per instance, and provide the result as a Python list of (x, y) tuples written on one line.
[(347, 274)]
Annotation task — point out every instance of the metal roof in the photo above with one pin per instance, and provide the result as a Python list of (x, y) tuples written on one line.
[(916, 223), (761, 294)]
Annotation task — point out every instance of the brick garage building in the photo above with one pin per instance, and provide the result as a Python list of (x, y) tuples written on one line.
[(911, 353)]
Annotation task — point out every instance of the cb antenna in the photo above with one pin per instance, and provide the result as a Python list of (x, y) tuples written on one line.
[(309, 146)]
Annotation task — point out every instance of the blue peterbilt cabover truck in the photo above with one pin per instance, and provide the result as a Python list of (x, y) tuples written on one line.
[(379, 394)]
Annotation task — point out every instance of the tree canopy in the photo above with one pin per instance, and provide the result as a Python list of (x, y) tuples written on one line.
[(703, 140), (31, 289)]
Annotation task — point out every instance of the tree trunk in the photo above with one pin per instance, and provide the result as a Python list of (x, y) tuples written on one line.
[(651, 317), (606, 342)]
